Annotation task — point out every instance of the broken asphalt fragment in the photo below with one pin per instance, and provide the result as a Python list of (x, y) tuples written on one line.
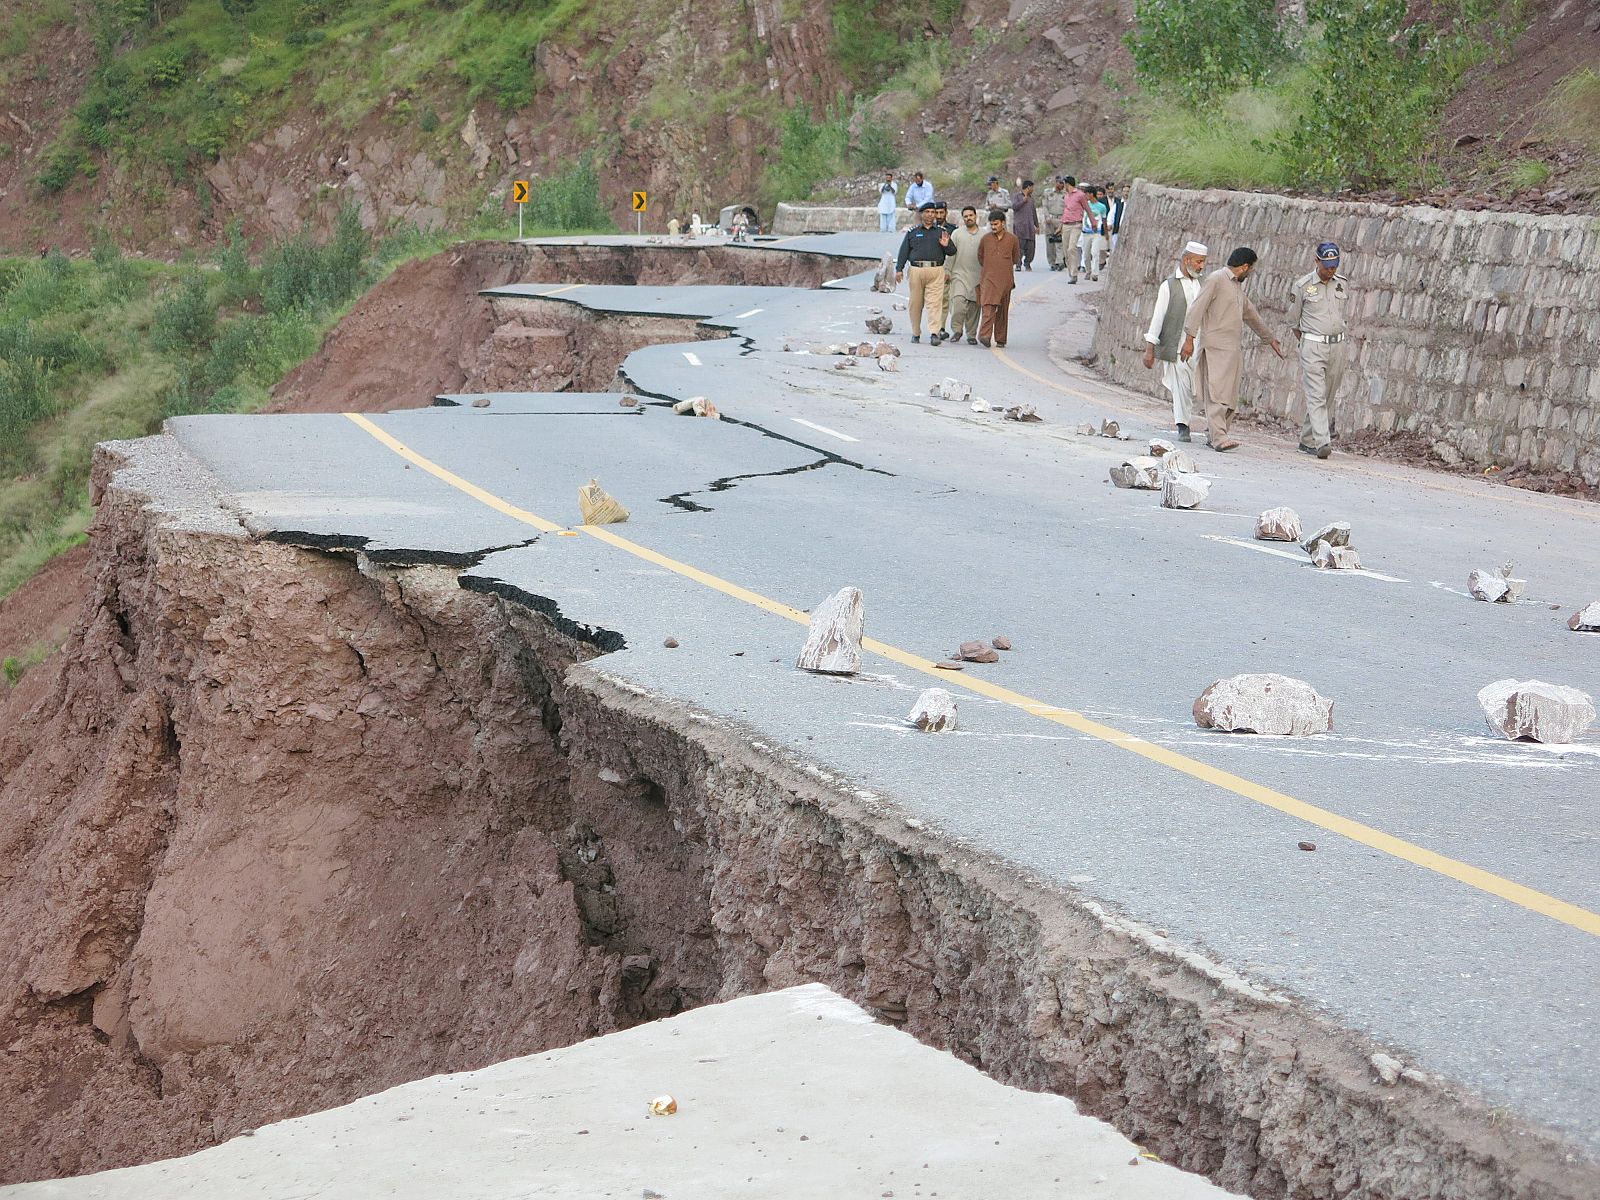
[(1335, 533), (1142, 472), (1586, 619), (598, 507), (1264, 703), (934, 711), (1183, 490), (1278, 525), (1335, 558), (1496, 585), (833, 645), (1536, 711)]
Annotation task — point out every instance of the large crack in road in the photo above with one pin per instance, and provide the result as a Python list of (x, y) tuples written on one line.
[(361, 811)]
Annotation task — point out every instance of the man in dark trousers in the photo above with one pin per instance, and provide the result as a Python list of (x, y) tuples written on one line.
[(998, 256), (1115, 206), (1025, 222), (923, 249)]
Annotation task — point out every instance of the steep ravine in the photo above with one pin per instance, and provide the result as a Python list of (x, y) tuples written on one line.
[(291, 827)]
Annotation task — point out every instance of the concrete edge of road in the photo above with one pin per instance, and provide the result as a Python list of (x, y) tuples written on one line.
[(847, 1106), (1104, 1000)]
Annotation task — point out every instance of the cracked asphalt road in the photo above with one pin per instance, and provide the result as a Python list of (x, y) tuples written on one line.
[(958, 525)]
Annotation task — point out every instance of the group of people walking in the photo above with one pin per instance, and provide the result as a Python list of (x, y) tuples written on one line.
[(962, 276), (970, 294), (1196, 332)]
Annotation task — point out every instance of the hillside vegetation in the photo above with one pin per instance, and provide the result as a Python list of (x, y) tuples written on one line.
[(109, 347)]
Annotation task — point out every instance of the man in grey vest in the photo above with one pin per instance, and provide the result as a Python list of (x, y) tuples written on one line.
[(1165, 334)]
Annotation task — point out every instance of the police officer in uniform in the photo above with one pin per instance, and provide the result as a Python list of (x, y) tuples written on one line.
[(1316, 312), (924, 249)]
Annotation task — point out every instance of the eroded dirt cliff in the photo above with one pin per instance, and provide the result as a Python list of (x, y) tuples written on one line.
[(289, 827)]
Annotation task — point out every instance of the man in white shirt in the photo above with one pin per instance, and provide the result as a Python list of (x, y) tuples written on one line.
[(1164, 338), (888, 201), (919, 193)]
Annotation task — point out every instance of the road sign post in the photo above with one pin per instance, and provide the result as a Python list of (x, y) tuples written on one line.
[(641, 205), (519, 197)]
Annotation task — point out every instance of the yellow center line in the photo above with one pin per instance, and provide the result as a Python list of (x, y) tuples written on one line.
[(1474, 877)]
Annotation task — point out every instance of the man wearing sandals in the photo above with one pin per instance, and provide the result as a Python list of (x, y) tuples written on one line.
[(1216, 322)]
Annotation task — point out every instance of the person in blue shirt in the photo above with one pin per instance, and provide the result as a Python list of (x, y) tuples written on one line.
[(919, 193), (924, 249), (1093, 243)]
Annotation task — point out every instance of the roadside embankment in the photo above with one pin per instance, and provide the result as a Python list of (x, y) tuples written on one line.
[(293, 826), (1475, 334), (425, 330)]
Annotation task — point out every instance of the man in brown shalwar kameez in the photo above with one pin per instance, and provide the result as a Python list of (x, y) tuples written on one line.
[(998, 256), (1217, 318)]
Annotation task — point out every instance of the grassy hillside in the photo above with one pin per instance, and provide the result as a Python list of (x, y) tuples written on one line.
[(176, 82), (108, 347)]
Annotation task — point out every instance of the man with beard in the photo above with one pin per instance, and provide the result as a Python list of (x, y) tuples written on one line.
[(1025, 222), (998, 255), (1217, 318), (1163, 338), (963, 277)]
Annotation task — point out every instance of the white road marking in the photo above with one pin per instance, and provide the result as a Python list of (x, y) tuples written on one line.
[(694, 359), (843, 437), (1300, 558), (1445, 587), (743, 315)]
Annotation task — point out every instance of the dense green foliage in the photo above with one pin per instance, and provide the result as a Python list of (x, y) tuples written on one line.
[(570, 201), (1204, 50), (1381, 82), (1357, 101), (812, 148), (873, 38), (108, 348)]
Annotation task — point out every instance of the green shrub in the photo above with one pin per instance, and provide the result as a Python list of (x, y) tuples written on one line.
[(63, 165), (239, 280), (1234, 147), (305, 274), (570, 200), (1380, 82), (186, 320), (1204, 50)]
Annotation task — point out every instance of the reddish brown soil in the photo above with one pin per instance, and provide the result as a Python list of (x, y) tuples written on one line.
[(42, 609)]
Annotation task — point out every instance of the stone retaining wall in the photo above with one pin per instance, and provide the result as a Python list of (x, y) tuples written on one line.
[(1477, 331), (807, 218)]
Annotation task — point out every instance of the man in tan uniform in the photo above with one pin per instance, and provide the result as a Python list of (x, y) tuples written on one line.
[(1316, 312), (998, 255), (1217, 318), (963, 277)]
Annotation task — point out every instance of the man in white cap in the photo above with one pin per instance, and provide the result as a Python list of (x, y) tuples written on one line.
[(1316, 313), (1164, 338)]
